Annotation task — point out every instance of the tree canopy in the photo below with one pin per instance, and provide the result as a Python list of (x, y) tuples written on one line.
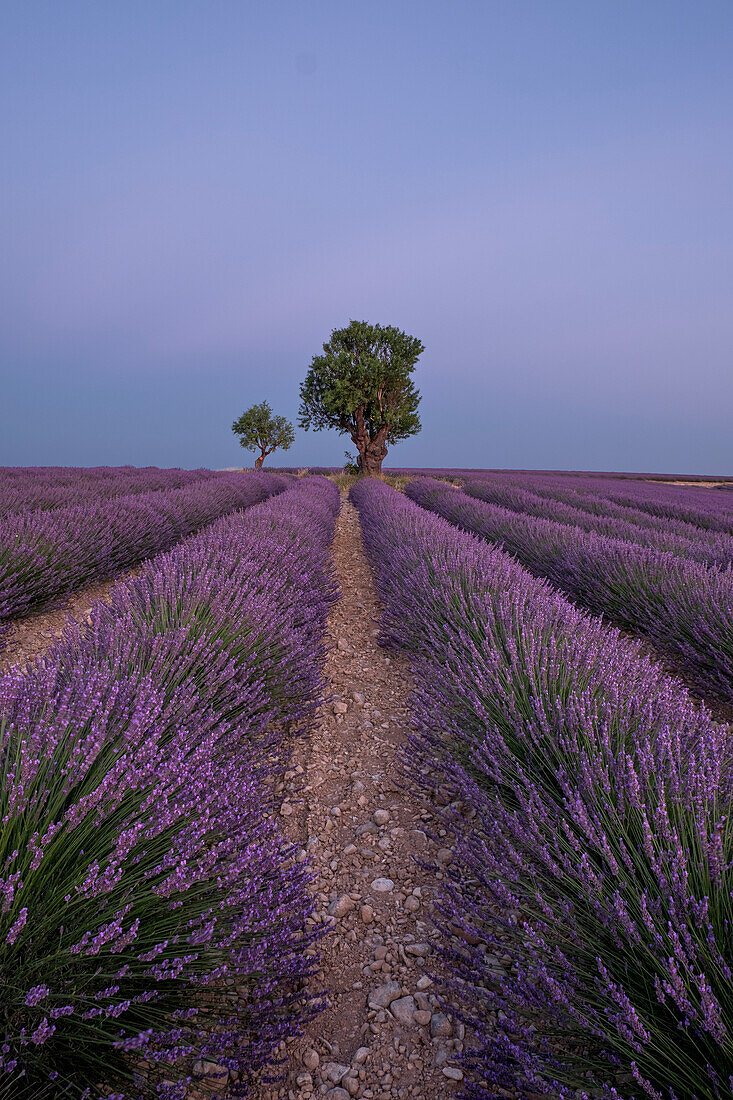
[(259, 430), (361, 386)]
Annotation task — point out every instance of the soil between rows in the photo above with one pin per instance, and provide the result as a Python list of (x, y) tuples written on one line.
[(32, 635), (342, 774), (346, 806), (379, 944)]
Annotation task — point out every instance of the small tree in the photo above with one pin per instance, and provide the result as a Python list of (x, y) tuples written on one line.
[(361, 386), (259, 430)]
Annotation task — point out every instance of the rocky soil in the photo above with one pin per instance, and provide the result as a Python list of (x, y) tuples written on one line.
[(34, 634), (383, 1035)]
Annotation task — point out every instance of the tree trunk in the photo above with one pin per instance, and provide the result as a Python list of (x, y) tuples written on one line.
[(259, 461), (374, 454)]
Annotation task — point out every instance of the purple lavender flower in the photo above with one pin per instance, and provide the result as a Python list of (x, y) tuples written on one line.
[(682, 606), (44, 555), (587, 908), (151, 909)]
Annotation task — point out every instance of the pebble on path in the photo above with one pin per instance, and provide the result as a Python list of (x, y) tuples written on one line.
[(384, 1034)]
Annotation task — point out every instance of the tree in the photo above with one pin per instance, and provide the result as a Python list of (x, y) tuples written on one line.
[(361, 386), (260, 430)]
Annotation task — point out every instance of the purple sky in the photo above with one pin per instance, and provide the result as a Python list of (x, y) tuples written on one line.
[(195, 195)]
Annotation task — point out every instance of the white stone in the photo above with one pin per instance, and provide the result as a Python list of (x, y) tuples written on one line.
[(335, 1072), (439, 1025), (403, 1009), (211, 1069), (383, 995), (382, 885), (341, 906)]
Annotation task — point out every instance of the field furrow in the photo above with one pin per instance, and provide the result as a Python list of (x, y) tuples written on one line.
[(153, 926), (591, 881), (45, 555), (31, 636), (383, 1034)]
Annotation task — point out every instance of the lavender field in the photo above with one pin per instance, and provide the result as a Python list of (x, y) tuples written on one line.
[(564, 643)]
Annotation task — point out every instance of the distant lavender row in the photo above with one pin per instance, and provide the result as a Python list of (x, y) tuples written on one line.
[(594, 513), (620, 475), (151, 915), (45, 555), (703, 507), (570, 477), (598, 503), (587, 907), (682, 606), (26, 488)]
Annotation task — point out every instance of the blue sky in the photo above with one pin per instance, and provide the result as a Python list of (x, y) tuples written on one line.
[(195, 194)]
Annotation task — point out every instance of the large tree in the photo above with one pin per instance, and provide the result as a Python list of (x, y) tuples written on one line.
[(361, 386), (259, 430)]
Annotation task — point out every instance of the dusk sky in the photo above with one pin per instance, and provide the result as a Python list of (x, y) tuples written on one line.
[(195, 194)]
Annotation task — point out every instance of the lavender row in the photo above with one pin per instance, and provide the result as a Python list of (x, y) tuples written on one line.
[(152, 918), (570, 477), (683, 607), (586, 912), (604, 517), (633, 497), (596, 503), (45, 555), (27, 488), (703, 507), (617, 475)]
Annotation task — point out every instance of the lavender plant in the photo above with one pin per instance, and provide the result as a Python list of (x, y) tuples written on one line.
[(45, 555), (594, 513), (683, 607), (677, 504), (28, 488), (152, 919), (587, 910)]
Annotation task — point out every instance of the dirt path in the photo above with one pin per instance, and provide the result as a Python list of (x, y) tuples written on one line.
[(383, 1036), (34, 634)]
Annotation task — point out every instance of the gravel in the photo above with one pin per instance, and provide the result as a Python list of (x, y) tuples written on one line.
[(347, 813)]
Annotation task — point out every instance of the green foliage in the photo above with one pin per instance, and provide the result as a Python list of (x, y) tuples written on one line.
[(260, 431), (351, 465), (361, 386)]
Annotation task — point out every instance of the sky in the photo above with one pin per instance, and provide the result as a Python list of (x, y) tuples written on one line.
[(194, 195)]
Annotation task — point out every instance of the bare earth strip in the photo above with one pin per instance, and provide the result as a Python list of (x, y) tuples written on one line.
[(383, 1035), (34, 634)]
